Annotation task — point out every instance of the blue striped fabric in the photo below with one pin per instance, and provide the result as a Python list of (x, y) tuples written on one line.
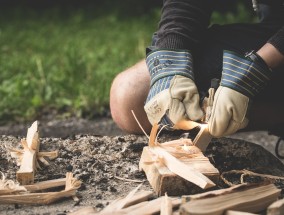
[(164, 63), (243, 75), (159, 86)]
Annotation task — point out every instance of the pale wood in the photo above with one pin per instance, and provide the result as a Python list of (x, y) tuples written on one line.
[(208, 194), (276, 208), (181, 169), (253, 199), (46, 185), (129, 209), (33, 137), (186, 125), (140, 197), (166, 206), (36, 198), (230, 212), (153, 135), (203, 138), (162, 179), (72, 184), (151, 207), (10, 187), (120, 203), (25, 175), (178, 142), (126, 202), (51, 155)]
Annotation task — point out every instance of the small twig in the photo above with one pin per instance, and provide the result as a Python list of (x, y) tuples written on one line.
[(139, 124), (156, 140), (129, 180)]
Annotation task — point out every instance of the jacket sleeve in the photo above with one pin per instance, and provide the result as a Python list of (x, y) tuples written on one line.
[(183, 23), (277, 40)]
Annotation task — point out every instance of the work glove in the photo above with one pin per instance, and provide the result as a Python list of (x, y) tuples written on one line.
[(243, 77), (173, 95)]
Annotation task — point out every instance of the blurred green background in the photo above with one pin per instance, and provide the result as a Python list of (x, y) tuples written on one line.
[(61, 56)]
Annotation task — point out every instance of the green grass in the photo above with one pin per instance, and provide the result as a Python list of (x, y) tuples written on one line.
[(67, 62)]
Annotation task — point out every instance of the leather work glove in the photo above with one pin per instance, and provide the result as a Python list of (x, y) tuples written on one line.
[(242, 79), (173, 95)]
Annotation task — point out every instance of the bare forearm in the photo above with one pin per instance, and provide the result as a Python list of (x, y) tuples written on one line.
[(271, 55)]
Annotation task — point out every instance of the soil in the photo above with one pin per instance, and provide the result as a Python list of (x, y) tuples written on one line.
[(97, 151)]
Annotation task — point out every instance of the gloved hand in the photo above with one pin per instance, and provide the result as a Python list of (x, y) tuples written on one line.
[(242, 79), (173, 95)]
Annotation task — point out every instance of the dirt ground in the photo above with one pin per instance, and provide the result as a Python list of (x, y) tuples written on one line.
[(97, 152)]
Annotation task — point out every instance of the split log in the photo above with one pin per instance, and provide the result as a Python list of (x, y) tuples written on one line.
[(163, 180), (276, 208), (253, 199), (25, 175)]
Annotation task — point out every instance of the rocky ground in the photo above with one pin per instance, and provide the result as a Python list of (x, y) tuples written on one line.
[(98, 153)]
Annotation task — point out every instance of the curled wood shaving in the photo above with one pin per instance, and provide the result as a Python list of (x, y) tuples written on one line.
[(9, 186), (178, 148)]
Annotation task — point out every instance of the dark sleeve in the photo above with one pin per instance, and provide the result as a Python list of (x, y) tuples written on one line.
[(277, 40), (183, 23)]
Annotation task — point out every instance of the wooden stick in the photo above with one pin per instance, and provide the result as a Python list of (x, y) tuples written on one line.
[(239, 187), (203, 138), (166, 206), (230, 212), (124, 201), (131, 199), (152, 207), (51, 155), (25, 174), (46, 184), (137, 201)]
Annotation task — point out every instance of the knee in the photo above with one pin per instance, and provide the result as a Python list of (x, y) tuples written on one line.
[(127, 94)]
